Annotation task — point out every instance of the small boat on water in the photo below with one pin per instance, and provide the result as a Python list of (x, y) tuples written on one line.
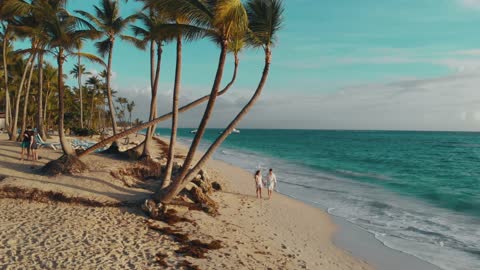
[(193, 131)]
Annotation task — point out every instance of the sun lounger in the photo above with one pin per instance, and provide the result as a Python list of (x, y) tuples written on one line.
[(84, 145), (42, 143)]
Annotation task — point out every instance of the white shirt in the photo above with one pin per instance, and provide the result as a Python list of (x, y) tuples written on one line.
[(272, 179)]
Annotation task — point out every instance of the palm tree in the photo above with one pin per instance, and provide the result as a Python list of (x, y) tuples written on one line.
[(235, 47), (19, 94), (233, 26), (25, 103), (226, 19), (30, 26), (9, 9), (77, 72), (64, 34), (265, 19), (109, 22), (150, 34), (179, 18), (130, 107), (49, 80), (95, 83)]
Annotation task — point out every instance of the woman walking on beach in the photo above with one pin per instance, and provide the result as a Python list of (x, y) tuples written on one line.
[(258, 184), (271, 182)]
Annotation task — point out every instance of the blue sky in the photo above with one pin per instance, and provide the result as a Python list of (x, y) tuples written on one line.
[(412, 63)]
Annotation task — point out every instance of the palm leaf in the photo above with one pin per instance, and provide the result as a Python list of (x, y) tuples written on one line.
[(90, 57), (265, 19)]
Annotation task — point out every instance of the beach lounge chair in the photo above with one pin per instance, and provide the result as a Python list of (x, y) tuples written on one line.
[(84, 145), (42, 143)]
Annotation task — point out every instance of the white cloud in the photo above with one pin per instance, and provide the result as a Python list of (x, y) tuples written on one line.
[(444, 103)]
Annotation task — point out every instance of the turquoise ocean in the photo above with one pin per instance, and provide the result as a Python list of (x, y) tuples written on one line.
[(417, 192)]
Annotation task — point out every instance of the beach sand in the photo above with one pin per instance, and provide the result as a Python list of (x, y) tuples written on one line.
[(280, 233)]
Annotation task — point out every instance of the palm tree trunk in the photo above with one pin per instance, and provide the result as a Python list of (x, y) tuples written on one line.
[(206, 116), (17, 102), (160, 118), (92, 107), (109, 91), (45, 105), (79, 77), (173, 134), (67, 148), (40, 126), (181, 183), (155, 77), (25, 104), (8, 114)]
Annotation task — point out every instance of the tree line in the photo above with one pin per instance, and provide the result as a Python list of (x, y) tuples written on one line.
[(232, 25)]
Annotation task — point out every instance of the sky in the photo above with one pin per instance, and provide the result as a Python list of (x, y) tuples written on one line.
[(337, 64)]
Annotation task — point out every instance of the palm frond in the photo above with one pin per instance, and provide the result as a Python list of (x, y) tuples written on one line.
[(90, 57), (265, 19), (90, 17), (230, 18), (138, 43), (103, 46)]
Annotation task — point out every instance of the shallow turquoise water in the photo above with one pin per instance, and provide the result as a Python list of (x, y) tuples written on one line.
[(418, 192)]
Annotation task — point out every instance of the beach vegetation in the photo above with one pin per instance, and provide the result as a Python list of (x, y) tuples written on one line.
[(108, 21), (232, 25)]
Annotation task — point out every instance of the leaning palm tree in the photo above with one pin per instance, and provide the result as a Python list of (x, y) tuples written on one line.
[(181, 28), (265, 19), (108, 21), (25, 103), (77, 72), (30, 26), (19, 92), (225, 19)]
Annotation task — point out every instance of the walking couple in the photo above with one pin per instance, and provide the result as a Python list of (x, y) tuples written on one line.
[(270, 183)]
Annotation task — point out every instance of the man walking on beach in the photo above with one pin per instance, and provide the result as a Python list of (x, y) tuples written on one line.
[(271, 182)]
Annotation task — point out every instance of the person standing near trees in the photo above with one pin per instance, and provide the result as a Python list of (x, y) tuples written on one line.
[(33, 147), (25, 144)]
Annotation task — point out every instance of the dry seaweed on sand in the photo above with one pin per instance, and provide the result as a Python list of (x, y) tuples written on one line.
[(160, 259), (37, 195), (188, 265), (175, 234), (197, 248)]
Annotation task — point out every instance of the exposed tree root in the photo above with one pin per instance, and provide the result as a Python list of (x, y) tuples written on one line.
[(66, 164)]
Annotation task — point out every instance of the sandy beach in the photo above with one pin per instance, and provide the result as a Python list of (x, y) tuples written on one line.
[(280, 233)]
